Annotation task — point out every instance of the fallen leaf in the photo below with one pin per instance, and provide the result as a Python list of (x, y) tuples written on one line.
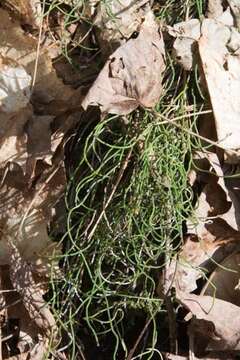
[(117, 21), (21, 49), (25, 212), (23, 282), (217, 43), (132, 75), (212, 231), (214, 319), (221, 70), (39, 149), (224, 281), (190, 264), (187, 33)]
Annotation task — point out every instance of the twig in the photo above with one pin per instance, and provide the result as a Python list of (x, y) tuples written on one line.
[(38, 48), (121, 172), (132, 351)]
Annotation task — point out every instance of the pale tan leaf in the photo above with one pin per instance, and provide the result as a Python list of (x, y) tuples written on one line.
[(189, 266), (214, 319), (13, 139), (221, 70), (132, 75), (214, 9)]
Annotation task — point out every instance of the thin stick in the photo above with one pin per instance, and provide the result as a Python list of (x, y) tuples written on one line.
[(132, 351), (38, 49), (121, 172)]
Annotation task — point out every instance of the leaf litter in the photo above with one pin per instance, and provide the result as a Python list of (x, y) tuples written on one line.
[(211, 248), (32, 182), (37, 115)]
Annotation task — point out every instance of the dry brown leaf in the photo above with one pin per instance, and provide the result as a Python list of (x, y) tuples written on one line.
[(117, 21), (132, 75), (224, 281), (212, 232), (214, 319), (186, 33), (190, 265), (29, 186), (22, 281), (25, 212), (28, 11), (39, 149)]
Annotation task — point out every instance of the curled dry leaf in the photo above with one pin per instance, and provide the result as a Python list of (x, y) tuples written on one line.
[(22, 281), (132, 75), (214, 319)]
